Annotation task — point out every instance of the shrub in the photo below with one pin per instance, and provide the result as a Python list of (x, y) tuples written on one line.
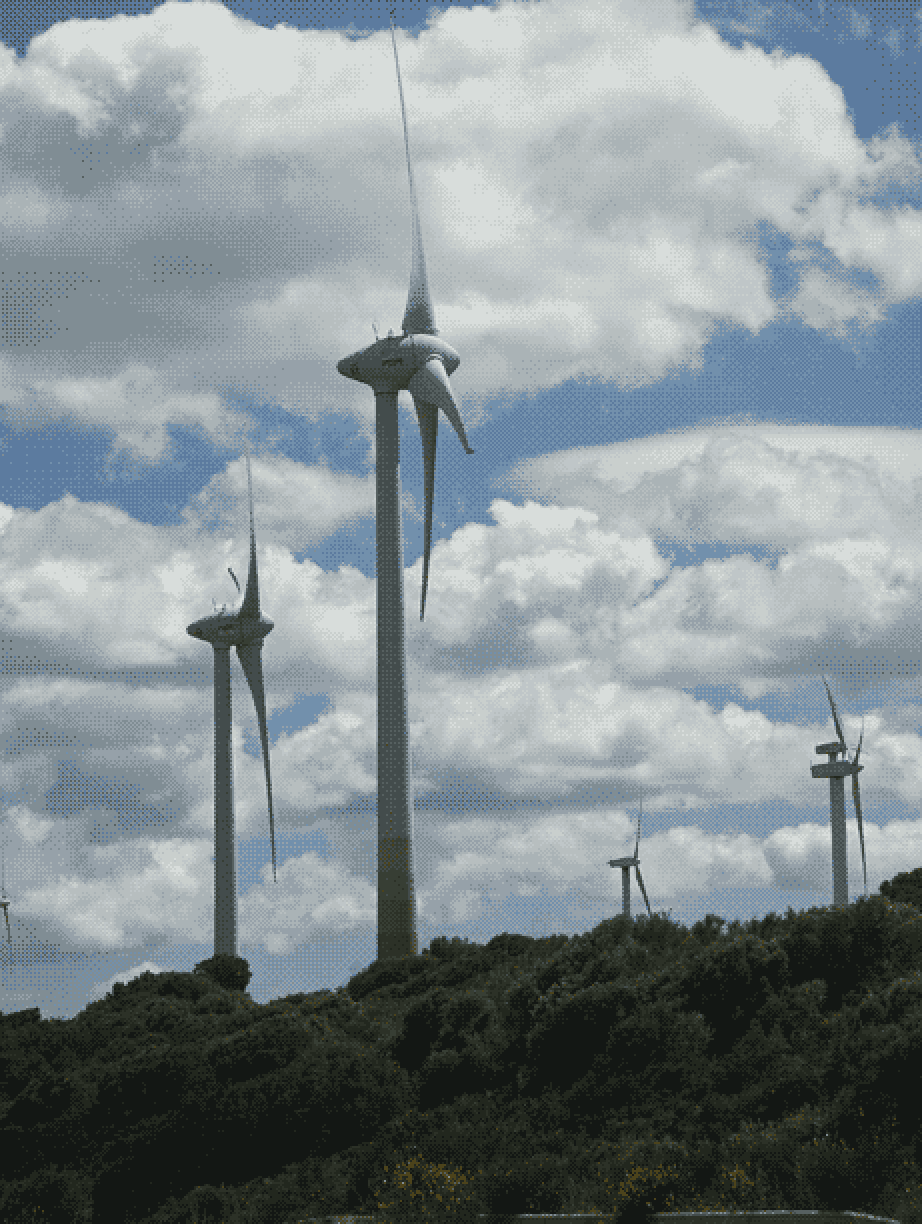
[(60, 1196), (417, 1190), (231, 972), (906, 886)]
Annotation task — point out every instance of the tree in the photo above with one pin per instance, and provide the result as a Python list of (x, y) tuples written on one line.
[(906, 887), (231, 972)]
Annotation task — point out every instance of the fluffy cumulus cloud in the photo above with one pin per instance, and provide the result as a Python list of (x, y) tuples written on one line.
[(554, 675), (200, 203)]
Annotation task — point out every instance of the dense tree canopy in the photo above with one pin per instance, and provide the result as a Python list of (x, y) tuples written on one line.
[(640, 1067)]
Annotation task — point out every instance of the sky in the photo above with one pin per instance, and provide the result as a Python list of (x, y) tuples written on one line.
[(678, 247)]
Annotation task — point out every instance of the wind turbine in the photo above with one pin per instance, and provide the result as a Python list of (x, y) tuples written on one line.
[(4, 899), (419, 362), (244, 629), (626, 864), (836, 771)]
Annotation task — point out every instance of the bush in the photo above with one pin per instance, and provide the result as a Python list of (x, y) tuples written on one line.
[(60, 1196), (231, 972), (524, 1187), (391, 972), (446, 949), (905, 886), (417, 1190)]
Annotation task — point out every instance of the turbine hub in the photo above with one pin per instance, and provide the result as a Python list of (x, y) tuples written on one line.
[(390, 363), (229, 629)]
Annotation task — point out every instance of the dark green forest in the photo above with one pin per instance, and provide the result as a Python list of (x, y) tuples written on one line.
[(643, 1066)]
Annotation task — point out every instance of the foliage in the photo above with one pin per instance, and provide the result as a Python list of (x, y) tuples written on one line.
[(231, 972), (743, 1066), (60, 1196), (416, 1189), (906, 887), (445, 948)]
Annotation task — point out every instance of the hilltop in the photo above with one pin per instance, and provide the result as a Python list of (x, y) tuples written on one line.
[(642, 1065)]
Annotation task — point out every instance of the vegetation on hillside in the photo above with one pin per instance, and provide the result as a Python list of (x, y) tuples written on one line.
[(640, 1067)]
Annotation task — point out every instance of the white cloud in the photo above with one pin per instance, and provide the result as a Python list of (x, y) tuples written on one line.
[(549, 674), (599, 231)]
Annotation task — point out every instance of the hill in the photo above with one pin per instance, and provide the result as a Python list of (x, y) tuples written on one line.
[(641, 1066)]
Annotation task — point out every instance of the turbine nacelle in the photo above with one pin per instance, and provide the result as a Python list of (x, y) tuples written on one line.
[(230, 629), (391, 362), (834, 747)]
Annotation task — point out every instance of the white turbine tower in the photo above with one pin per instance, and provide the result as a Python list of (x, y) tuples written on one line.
[(418, 362), (244, 629), (836, 771), (626, 864)]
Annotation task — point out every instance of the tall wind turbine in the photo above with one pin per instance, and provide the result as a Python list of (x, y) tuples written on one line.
[(244, 629), (418, 362), (836, 771), (626, 864)]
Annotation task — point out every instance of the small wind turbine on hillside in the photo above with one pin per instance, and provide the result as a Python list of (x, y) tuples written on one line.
[(626, 864), (836, 771), (418, 362), (4, 899), (244, 629)]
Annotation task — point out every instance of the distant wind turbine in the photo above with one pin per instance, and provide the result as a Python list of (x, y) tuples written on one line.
[(836, 771), (244, 629), (4, 899), (626, 864), (418, 362)]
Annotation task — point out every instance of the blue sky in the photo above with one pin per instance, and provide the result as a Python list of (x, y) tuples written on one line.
[(679, 249)]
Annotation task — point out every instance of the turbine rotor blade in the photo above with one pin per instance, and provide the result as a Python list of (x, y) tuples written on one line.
[(419, 317), (856, 795), (249, 609), (835, 716), (860, 742), (428, 417), (430, 385), (250, 656), (8, 933), (642, 889)]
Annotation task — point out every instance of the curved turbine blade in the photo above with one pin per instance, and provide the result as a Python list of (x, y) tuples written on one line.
[(250, 655), (249, 609), (637, 842), (428, 417), (860, 742), (856, 797), (430, 385), (835, 716), (642, 889), (234, 576), (419, 316)]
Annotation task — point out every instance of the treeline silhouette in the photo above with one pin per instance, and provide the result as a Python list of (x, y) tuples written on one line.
[(641, 1067)]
